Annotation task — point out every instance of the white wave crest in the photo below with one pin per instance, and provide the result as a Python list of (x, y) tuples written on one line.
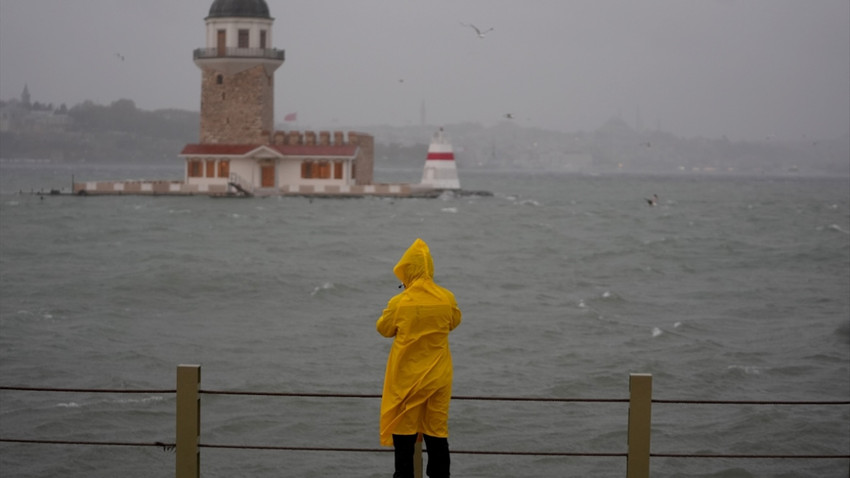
[(836, 227), (325, 286), (152, 398), (746, 369)]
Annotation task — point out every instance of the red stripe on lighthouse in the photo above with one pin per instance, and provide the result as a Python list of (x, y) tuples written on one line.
[(441, 156)]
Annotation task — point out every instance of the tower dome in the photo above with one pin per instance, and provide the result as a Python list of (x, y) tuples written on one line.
[(239, 8)]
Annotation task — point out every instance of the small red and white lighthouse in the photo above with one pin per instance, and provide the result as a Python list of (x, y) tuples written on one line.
[(440, 171)]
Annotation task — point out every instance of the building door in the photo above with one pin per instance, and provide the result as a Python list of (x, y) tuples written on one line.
[(221, 45), (267, 176)]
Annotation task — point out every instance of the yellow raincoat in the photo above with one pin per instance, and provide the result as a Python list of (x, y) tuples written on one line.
[(418, 380)]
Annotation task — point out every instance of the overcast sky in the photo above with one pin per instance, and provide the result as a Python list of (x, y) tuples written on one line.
[(747, 69)]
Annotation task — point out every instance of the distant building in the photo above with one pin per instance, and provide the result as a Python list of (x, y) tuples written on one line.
[(238, 145), (24, 116), (25, 97)]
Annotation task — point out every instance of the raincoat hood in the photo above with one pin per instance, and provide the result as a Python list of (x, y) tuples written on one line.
[(415, 263)]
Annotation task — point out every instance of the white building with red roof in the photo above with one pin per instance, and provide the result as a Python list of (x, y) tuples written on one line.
[(238, 147)]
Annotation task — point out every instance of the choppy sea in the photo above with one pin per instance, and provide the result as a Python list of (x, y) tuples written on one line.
[(731, 289)]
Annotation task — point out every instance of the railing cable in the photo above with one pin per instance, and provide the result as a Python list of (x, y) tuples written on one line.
[(386, 450), (459, 397), (699, 455), (751, 402), (86, 390), (288, 394), (159, 444), (170, 447), (371, 395)]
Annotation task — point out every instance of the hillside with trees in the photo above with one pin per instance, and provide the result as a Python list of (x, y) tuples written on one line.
[(116, 133), (122, 133)]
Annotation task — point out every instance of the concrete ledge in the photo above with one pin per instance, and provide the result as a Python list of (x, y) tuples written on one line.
[(179, 188)]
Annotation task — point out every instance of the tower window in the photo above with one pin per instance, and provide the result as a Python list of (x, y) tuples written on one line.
[(262, 38), (219, 79), (221, 42), (243, 38)]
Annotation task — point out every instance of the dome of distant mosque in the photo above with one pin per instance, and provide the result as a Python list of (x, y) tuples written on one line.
[(239, 8)]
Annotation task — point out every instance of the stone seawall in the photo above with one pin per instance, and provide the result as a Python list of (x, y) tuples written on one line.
[(179, 188)]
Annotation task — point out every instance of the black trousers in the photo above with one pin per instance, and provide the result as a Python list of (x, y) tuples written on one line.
[(438, 456)]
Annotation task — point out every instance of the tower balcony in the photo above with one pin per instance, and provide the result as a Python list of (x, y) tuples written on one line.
[(233, 52)]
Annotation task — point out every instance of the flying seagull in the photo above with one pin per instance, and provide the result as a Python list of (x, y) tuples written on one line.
[(477, 31), (509, 116)]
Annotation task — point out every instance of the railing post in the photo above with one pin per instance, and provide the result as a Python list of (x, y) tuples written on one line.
[(188, 421), (640, 423), (417, 457)]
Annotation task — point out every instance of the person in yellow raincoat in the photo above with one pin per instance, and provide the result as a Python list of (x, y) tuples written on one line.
[(418, 380)]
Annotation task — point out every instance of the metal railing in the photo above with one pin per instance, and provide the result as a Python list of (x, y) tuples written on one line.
[(238, 182), (638, 451), (233, 52)]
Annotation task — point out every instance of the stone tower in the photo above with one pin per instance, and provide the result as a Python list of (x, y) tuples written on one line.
[(237, 73)]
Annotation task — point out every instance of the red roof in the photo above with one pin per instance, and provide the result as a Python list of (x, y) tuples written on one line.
[(343, 150), (218, 149)]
